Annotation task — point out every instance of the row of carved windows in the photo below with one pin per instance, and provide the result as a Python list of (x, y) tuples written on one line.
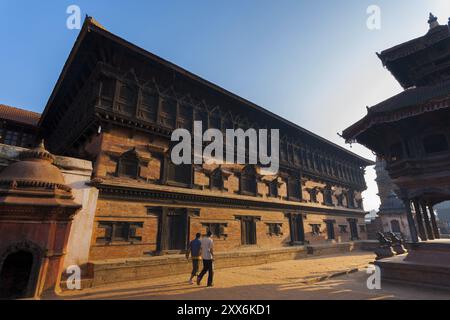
[(16, 138), (148, 105), (330, 229), (313, 161), (182, 175), (122, 231)]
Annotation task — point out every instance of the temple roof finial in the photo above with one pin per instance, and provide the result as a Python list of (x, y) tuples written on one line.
[(433, 21)]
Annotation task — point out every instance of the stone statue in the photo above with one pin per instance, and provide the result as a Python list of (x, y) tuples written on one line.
[(385, 250), (397, 243)]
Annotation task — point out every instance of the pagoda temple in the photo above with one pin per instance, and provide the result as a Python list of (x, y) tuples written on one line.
[(411, 133)]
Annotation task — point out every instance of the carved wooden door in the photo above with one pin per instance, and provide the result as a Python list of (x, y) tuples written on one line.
[(176, 225), (297, 229)]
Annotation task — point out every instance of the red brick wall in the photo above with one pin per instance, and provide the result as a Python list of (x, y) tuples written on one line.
[(117, 141), (115, 210)]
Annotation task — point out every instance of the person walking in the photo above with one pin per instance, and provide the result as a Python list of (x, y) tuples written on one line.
[(208, 257), (194, 250)]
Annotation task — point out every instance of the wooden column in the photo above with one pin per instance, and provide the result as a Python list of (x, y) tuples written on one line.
[(426, 218), (436, 232), (419, 220), (412, 225)]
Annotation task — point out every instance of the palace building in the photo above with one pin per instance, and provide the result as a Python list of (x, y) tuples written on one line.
[(115, 105)]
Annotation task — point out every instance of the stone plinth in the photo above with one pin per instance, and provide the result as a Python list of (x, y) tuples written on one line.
[(427, 263)]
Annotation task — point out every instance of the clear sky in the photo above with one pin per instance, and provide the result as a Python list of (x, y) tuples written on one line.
[(312, 62)]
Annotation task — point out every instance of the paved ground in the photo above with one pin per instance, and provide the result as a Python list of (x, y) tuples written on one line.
[(287, 280)]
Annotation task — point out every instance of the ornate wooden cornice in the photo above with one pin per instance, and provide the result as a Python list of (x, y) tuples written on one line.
[(167, 198), (353, 133)]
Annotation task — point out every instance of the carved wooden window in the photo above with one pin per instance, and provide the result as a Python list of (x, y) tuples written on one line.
[(335, 169), (294, 188), (302, 156), (297, 157), (274, 229), (127, 99), (201, 115), (168, 112), (248, 184), (350, 199), (315, 229), (322, 167), (329, 168), (11, 138), (310, 160), (353, 229), (227, 124), (343, 229), (185, 117), (273, 188), (107, 88), (340, 199), (283, 152), (179, 174), (128, 165), (297, 228), (316, 162), (27, 140), (248, 230), (330, 229), (435, 143), (149, 105), (328, 195), (215, 121), (216, 182), (313, 195), (217, 229), (115, 231), (290, 152), (362, 228)]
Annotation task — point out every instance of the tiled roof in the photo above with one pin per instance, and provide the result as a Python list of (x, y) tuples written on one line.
[(19, 115), (413, 96), (433, 36)]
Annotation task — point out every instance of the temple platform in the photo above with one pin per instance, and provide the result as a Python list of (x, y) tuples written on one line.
[(426, 264)]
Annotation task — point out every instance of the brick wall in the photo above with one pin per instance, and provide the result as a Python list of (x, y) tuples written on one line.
[(116, 141)]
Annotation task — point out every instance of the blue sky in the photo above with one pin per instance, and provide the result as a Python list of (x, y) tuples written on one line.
[(312, 62)]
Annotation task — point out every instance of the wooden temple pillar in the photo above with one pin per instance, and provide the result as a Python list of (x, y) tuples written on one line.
[(419, 220), (411, 223), (426, 218), (436, 232)]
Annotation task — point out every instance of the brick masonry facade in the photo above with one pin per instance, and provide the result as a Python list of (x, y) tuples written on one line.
[(117, 141)]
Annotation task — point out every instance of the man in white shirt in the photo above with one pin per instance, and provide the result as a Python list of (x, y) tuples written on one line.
[(208, 257)]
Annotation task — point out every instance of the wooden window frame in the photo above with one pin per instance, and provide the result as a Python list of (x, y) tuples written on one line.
[(110, 237)]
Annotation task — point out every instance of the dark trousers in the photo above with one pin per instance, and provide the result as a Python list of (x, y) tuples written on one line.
[(207, 267), (195, 263)]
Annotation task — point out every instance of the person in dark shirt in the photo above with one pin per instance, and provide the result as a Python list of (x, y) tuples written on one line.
[(195, 251)]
